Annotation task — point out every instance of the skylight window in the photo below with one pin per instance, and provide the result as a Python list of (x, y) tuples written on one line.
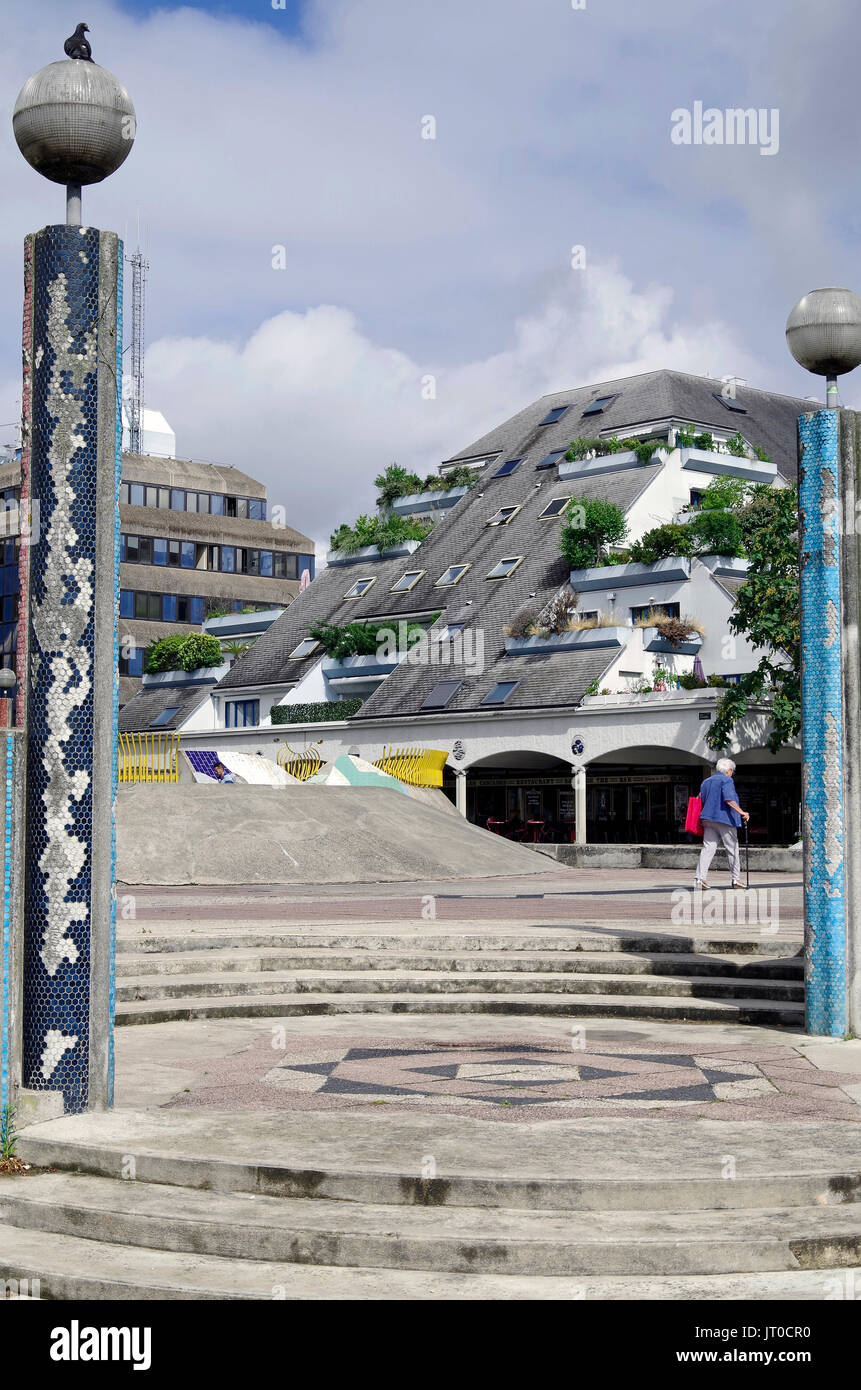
[(452, 575), (550, 460), (507, 468), (165, 716), (600, 404), (503, 516), (554, 508), (729, 403), (449, 632), (553, 415), (305, 648), (360, 587), (505, 567), (500, 693), (442, 694), (406, 582)]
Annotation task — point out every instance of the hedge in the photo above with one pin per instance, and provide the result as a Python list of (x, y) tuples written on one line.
[(317, 713)]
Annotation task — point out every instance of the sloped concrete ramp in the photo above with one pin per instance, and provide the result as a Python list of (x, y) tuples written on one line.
[(182, 834)]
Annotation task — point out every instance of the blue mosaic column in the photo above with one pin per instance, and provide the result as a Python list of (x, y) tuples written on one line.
[(823, 722), (74, 289)]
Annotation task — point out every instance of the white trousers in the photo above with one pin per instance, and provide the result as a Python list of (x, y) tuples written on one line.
[(717, 833)]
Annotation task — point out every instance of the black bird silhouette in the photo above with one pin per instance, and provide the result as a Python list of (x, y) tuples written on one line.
[(77, 46)]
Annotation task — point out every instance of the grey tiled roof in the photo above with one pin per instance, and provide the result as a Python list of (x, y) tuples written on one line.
[(462, 536), (770, 422), (149, 702)]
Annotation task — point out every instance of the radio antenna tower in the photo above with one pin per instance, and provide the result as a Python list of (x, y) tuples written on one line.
[(140, 267)]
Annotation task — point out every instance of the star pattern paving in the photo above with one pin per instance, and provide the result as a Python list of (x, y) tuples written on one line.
[(529, 1081)]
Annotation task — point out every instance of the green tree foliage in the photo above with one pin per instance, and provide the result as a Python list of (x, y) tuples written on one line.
[(590, 526), (724, 493), (767, 614), (662, 542), (716, 533), (184, 653)]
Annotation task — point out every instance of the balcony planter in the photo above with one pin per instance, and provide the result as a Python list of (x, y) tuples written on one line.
[(371, 554), (653, 641), (238, 624), (203, 675), (727, 465), (420, 502), (674, 570), (371, 666), (568, 641), (605, 463), (725, 566)]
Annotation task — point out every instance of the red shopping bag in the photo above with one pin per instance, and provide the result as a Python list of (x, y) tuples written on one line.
[(692, 819)]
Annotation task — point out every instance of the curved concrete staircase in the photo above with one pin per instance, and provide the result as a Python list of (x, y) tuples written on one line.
[(197, 1219), (197, 972)]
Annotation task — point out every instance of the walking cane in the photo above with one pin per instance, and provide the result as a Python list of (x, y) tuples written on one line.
[(746, 855)]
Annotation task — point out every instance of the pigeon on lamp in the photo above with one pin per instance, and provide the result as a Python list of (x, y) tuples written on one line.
[(77, 46)]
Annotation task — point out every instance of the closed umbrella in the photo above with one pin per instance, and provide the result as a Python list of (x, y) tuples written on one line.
[(698, 669)]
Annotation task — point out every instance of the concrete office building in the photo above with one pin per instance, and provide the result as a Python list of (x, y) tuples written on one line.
[(195, 541)]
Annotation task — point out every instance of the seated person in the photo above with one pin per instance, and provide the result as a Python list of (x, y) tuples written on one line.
[(221, 774)]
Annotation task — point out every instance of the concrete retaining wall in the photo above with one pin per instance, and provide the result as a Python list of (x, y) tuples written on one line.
[(772, 859)]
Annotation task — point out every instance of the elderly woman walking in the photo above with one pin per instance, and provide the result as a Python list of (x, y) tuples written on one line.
[(721, 816)]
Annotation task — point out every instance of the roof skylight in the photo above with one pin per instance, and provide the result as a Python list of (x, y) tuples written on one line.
[(441, 695), (553, 415)]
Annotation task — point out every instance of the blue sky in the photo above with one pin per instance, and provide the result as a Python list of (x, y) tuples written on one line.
[(285, 15), (315, 259)]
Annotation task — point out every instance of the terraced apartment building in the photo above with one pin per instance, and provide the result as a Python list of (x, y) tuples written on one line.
[(596, 732)]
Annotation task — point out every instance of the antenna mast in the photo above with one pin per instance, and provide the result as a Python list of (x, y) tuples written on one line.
[(140, 266)]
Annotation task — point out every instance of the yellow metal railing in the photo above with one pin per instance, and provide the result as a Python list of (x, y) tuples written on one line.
[(299, 765), (148, 757), (418, 767)]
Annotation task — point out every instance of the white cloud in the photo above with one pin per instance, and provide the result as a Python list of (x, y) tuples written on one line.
[(312, 405)]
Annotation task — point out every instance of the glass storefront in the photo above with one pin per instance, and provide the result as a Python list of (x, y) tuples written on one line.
[(645, 805)]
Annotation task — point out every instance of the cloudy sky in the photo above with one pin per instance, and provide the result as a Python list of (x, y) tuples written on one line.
[(301, 128)]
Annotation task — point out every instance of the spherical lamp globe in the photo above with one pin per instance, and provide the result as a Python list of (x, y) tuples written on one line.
[(823, 332), (74, 122)]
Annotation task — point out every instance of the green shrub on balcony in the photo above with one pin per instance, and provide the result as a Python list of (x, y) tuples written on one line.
[(359, 639), (645, 449), (183, 653), (318, 713), (381, 531), (398, 482)]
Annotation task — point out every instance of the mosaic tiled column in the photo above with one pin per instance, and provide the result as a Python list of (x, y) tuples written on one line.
[(830, 708), (72, 387)]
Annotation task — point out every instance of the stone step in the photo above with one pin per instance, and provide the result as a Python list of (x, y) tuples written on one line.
[(252, 985), (70, 1268), (309, 1231), (236, 961), (413, 936), (736, 1010), (523, 1170)]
